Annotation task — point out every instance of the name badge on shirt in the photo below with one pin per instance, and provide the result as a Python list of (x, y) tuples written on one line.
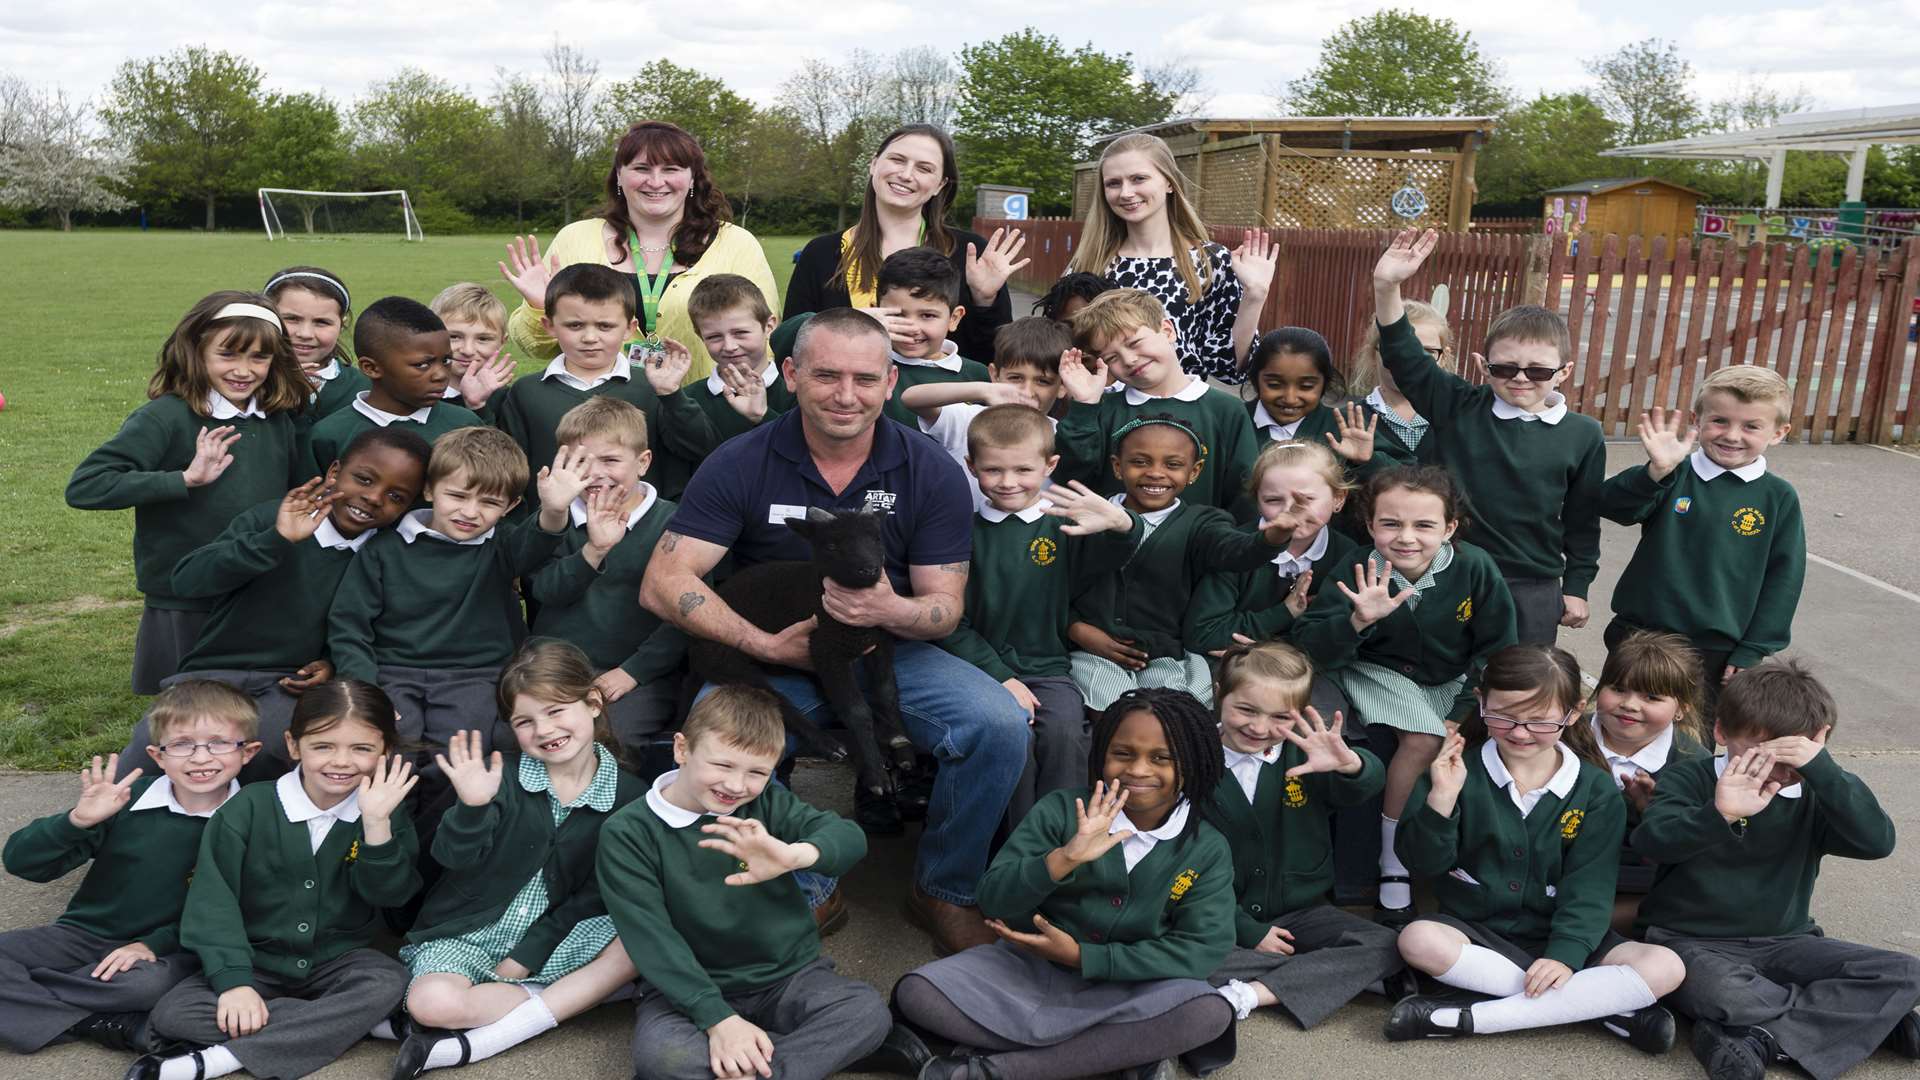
[(880, 502), (778, 513)]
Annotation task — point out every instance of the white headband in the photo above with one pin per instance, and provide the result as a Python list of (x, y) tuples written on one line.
[(249, 311), (328, 278)]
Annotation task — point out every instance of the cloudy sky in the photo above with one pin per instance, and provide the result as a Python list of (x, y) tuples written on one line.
[(1847, 53)]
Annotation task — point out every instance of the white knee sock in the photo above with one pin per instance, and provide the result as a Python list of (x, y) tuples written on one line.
[(1484, 971), (217, 1061), (528, 1019), (1589, 995), (1393, 894)]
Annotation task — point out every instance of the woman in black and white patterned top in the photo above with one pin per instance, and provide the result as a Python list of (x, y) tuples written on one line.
[(1131, 235)]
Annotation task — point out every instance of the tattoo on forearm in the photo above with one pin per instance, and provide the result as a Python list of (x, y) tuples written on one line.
[(690, 600), (669, 541), (954, 567), (938, 615)]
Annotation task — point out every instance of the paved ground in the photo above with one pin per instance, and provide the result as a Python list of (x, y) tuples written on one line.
[(1859, 622)]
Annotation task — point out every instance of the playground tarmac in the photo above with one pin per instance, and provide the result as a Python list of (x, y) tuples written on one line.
[(1858, 623)]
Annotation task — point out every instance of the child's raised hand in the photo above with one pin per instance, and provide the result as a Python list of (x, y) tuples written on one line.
[(382, 790), (483, 377), (240, 1011), (1448, 773), (1253, 263), (1375, 598), (1326, 750), (310, 675), (1638, 791), (997, 393), (1279, 528), (763, 856), (1747, 786), (737, 1049), (1547, 975), (101, 796), (527, 272), (563, 481), (474, 775), (746, 391), (1667, 438), (123, 959), (899, 330), (1404, 256), (211, 455), (1085, 511), (667, 366), (1049, 942), (1795, 751), (1083, 378), (988, 271), (1301, 594), (606, 519), (303, 509), (1091, 838), (1356, 426)]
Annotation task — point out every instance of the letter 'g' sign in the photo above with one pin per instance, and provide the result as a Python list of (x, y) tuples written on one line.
[(1014, 207)]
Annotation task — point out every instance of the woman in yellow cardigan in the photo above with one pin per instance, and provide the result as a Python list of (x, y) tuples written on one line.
[(665, 223)]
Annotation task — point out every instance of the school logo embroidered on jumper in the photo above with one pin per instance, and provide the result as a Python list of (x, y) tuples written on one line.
[(1570, 823), (1296, 796), (880, 502), (1682, 504), (1182, 883), (353, 853), (1465, 610), (1748, 521), (1043, 551)]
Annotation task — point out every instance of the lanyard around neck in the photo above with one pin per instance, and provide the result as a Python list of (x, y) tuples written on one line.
[(651, 286)]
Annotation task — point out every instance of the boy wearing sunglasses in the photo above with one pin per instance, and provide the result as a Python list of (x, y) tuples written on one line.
[(1532, 468)]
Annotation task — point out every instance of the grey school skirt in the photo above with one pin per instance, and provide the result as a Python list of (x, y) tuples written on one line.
[(1028, 1001)]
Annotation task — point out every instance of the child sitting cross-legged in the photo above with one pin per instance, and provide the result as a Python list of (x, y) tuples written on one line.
[(403, 351), (1025, 371), (514, 938), (733, 319), (96, 971), (698, 876)]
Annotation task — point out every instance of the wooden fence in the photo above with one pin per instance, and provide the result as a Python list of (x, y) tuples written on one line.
[(1647, 321)]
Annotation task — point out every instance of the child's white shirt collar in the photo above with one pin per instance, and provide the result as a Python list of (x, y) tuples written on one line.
[(1291, 565), (1153, 519), (948, 360), (1195, 389), (1277, 431), (717, 386), (1135, 847), (1560, 783), (578, 511), (1706, 468), (1031, 514), (383, 417), (1555, 411), (414, 525), (329, 537), (328, 373), (220, 408), (622, 369), (1246, 767), (1648, 759), (451, 393), (1720, 768), (676, 817), (299, 808), (160, 794)]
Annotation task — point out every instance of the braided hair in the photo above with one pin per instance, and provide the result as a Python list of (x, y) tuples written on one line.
[(1192, 736)]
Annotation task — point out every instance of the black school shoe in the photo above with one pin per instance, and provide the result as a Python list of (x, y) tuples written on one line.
[(124, 1032), (411, 1061), (1412, 1018), (1727, 1055), (1649, 1030), (902, 1053), (147, 1066), (1159, 1070), (1904, 1039)]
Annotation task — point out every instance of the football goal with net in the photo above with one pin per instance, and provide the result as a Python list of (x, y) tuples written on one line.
[(336, 213)]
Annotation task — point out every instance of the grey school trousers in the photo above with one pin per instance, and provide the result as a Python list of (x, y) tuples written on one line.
[(1829, 1004), (309, 1022), (1536, 609), (47, 983), (819, 1021), (1057, 756), (1336, 955)]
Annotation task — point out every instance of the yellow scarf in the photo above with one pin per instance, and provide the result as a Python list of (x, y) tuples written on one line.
[(856, 296)]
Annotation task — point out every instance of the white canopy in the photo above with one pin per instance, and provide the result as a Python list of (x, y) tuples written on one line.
[(1841, 131)]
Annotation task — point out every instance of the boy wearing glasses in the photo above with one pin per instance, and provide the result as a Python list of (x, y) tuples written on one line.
[(1531, 467), (96, 971)]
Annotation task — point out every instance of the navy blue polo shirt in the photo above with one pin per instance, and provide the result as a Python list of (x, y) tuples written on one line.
[(744, 491)]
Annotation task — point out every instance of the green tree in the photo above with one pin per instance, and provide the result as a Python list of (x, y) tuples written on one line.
[(1398, 63), (1647, 89), (841, 110), (1552, 140), (1028, 108), (419, 132), (190, 118), (520, 167), (704, 105), (300, 145)]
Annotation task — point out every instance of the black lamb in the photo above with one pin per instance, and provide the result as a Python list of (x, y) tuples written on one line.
[(775, 595)]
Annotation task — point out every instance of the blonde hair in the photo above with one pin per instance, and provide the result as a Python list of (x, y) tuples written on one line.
[(1103, 232), (1277, 663), (1748, 384), (1001, 426), (1295, 453), (494, 463), (196, 699), (1366, 359), (604, 417), (1112, 314), (471, 302), (744, 717)]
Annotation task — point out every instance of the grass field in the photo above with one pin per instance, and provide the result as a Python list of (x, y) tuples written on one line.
[(90, 312)]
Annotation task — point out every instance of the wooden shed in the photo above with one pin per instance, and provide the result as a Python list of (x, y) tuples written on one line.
[(1339, 172), (1642, 206)]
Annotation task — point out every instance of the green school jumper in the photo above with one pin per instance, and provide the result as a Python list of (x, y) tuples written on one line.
[(700, 938), (1719, 562), (1313, 430), (1466, 616), (1545, 881), (433, 603), (329, 438), (270, 597), (1025, 555), (678, 431), (1282, 842), (727, 422), (599, 610), (336, 393), (1085, 440), (1535, 486), (917, 372), (1146, 600), (1254, 602), (263, 900), (137, 885), (144, 466), (1753, 878), (1171, 918)]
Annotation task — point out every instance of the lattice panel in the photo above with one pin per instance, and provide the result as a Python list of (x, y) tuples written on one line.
[(1356, 192), (1230, 186)]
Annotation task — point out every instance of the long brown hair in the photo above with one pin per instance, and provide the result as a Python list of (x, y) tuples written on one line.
[(1104, 232), (182, 370), (864, 253), (1662, 665), (663, 143)]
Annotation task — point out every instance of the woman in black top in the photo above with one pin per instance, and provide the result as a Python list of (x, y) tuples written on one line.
[(909, 187)]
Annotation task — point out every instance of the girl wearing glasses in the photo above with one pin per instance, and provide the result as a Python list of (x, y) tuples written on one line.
[(1521, 836)]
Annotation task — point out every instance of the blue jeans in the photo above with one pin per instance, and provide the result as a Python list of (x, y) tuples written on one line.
[(964, 717)]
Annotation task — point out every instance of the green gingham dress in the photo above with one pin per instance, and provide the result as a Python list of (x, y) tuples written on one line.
[(474, 954), (1410, 431), (1381, 695)]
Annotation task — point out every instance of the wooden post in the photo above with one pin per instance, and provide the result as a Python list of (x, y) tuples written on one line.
[(1460, 205), (1270, 183), (1534, 272)]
